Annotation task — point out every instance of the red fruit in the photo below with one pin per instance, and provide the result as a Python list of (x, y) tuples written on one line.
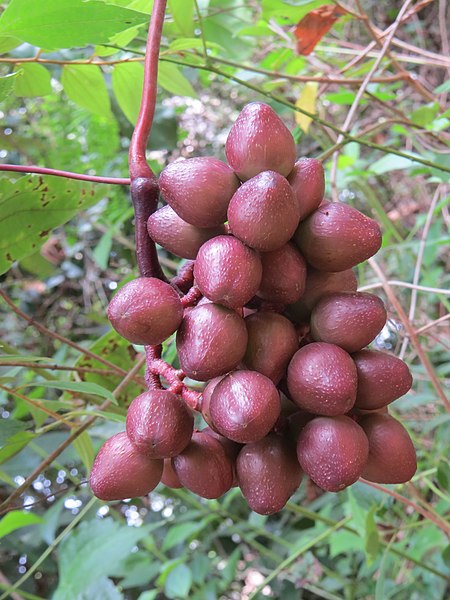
[(350, 320), (145, 311), (120, 471), (308, 182), (199, 189), (333, 452), (204, 467), (206, 399), (336, 237), (169, 477), (392, 458), (283, 275), (169, 230), (244, 406), (211, 341), (227, 272), (268, 473), (272, 341), (263, 213), (382, 378), (259, 141), (159, 424), (322, 379)]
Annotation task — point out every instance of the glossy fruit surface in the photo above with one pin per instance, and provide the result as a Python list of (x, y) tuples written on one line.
[(283, 275), (308, 183)]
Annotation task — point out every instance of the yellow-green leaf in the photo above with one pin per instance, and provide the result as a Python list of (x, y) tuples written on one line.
[(306, 102), (85, 85), (35, 81)]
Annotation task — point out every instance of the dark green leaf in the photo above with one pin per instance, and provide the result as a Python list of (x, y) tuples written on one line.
[(54, 24), (15, 445), (32, 206), (16, 519), (8, 428), (443, 475), (35, 81), (83, 387), (85, 85)]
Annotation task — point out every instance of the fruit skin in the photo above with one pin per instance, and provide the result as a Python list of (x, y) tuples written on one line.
[(332, 451), (336, 237), (169, 230), (159, 424), (392, 458), (227, 272), (244, 406), (169, 477), (308, 183), (272, 341), (259, 141), (382, 378), (120, 471), (204, 467), (206, 399), (211, 341), (263, 213), (199, 189), (145, 311), (350, 320), (268, 473), (317, 285), (322, 379), (283, 275)]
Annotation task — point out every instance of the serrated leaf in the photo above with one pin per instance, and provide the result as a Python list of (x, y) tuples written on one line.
[(178, 582), (172, 80), (7, 84), (32, 206), (35, 81), (85, 85), (127, 84), (55, 24), (108, 544), (307, 102), (83, 387), (8, 428), (17, 519)]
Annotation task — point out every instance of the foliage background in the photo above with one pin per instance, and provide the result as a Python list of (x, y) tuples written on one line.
[(71, 74)]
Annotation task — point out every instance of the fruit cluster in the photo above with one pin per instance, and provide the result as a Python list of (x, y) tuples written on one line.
[(277, 330)]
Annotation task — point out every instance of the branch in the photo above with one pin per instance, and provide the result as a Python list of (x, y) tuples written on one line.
[(67, 174)]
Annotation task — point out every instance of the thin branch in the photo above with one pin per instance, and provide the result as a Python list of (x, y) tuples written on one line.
[(396, 283), (66, 174), (433, 323)]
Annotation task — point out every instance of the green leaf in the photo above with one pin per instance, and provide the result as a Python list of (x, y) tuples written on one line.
[(229, 572), (190, 44), (15, 444), (182, 13), (178, 582), (16, 519), (51, 520), (127, 84), (35, 81), (179, 533), (150, 595), (443, 475), (7, 84), (85, 85), (8, 428), (446, 556), (102, 588), (83, 387), (424, 115), (54, 24), (7, 43), (103, 544), (444, 87), (85, 449), (32, 206), (172, 80), (103, 249), (389, 162), (372, 537)]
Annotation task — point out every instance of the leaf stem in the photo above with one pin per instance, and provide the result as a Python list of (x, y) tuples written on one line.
[(66, 174)]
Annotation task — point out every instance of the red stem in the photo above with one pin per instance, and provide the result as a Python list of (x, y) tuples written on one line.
[(67, 174)]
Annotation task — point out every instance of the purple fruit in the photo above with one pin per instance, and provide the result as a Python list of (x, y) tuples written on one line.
[(120, 471), (350, 320), (308, 182), (199, 189), (382, 378), (272, 342), (336, 237), (244, 406), (204, 467), (169, 478), (145, 311), (333, 452), (227, 272), (159, 424), (268, 473), (283, 275), (206, 399), (263, 213), (259, 141), (392, 458), (169, 230), (322, 379), (211, 341)]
